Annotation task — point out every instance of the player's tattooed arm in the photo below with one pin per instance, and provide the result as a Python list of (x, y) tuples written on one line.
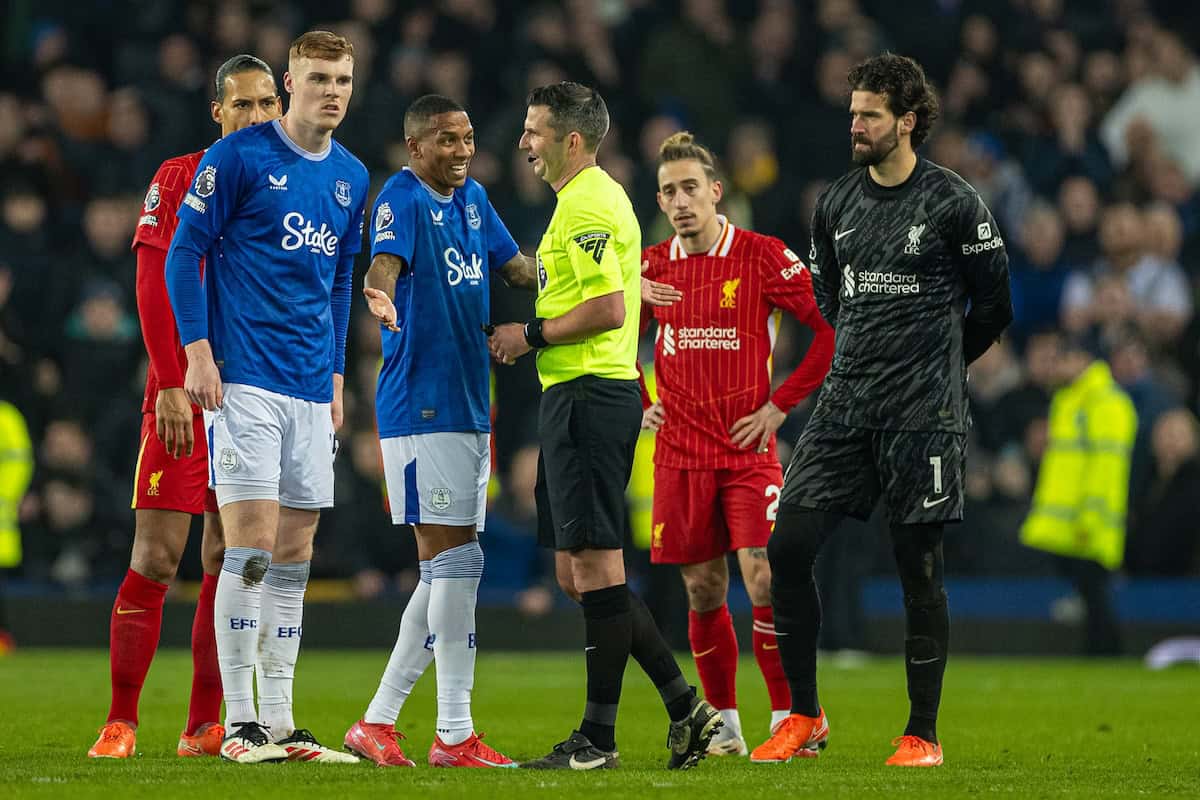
[(379, 287), (385, 269), (759, 553), (520, 272)]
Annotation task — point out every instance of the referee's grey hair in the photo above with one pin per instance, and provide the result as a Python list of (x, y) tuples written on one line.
[(237, 65)]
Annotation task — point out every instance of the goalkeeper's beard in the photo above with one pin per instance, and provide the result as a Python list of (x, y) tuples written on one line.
[(876, 153)]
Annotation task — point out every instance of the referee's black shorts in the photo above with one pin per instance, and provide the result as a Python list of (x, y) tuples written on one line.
[(589, 430)]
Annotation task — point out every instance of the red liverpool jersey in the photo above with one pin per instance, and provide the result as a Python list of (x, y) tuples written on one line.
[(712, 353), (168, 362)]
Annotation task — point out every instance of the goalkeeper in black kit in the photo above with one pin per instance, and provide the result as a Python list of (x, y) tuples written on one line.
[(909, 268)]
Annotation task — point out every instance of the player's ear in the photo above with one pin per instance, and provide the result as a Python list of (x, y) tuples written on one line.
[(288, 85), (414, 148), (718, 191), (662, 204), (215, 110)]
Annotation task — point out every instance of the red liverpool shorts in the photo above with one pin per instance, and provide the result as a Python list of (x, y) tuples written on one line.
[(704, 513), (172, 484)]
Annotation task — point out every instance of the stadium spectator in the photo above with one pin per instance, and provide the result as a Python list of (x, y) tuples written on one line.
[(1039, 272), (1161, 109), (1164, 535), (1156, 293), (1152, 397)]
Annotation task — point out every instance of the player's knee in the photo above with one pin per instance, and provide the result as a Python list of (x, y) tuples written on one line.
[(792, 549), (155, 560), (705, 590), (918, 552)]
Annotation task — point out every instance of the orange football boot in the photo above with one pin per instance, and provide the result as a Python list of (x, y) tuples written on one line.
[(117, 740), (913, 751), (206, 741), (796, 736)]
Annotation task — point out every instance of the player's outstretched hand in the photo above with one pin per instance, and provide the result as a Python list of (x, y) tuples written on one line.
[(507, 342), (381, 308), (653, 417), (173, 414), (659, 294), (756, 430), (203, 380)]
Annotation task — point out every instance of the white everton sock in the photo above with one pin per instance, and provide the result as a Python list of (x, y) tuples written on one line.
[(280, 629), (456, 576), (236, 609), (410, 656)]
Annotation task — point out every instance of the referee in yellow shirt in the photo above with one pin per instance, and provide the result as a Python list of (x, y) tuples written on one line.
[(585, 334)]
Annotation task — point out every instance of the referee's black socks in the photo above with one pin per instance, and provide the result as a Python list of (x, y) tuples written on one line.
[(609, 632), (658, 662)]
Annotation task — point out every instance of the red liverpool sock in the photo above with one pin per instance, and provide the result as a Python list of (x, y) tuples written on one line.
[(205, 704), (714, 646), (133, 638), (766, 651)]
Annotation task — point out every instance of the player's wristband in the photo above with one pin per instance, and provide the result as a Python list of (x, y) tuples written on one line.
[(533, 333)]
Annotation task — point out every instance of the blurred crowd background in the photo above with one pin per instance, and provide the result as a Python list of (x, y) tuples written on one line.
[(1077, 120)]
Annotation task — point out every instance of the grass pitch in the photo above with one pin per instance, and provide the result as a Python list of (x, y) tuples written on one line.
[(1014, 728)]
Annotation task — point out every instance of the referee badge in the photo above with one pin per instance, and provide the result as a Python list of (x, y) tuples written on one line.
[(473, 218)]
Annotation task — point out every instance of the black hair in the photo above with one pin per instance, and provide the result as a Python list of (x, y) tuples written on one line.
[(237, 65), (425, 108), (903, 82), (573, 107)]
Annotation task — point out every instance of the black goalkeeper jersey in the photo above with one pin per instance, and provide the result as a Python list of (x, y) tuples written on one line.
[(914, 278)]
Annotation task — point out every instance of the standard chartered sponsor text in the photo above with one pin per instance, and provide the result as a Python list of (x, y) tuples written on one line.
[(711, 338), (887, 283)]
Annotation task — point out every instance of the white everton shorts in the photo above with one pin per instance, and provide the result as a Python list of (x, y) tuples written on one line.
[(263, 445), (438, 478)]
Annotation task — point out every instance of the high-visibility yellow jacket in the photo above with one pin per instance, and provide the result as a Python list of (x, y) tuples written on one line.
[(1082, 491), (16, 469)]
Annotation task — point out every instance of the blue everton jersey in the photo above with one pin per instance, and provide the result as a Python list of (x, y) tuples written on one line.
[(276, 221), (435, 370)]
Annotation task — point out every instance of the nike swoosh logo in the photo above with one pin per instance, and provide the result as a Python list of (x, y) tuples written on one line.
[(770, 646), (923, 660), (837, 236), (706, 652), (939, 501), (124, 611), (577, 764)]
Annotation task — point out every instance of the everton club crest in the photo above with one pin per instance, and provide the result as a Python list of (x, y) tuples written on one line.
[(341, 192)]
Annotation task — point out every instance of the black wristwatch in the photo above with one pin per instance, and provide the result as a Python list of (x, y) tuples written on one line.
[(533, 333)]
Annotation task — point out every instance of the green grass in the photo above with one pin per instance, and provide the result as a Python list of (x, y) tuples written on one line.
[(1009, 727)]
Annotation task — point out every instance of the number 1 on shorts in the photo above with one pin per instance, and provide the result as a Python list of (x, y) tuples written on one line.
[(936, 463)]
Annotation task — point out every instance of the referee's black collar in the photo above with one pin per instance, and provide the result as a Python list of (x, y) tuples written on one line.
[(879, 192)]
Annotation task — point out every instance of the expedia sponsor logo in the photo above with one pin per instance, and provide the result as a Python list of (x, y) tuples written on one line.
[(982, 247), (857, 283), (792, 271), (712, 338)]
